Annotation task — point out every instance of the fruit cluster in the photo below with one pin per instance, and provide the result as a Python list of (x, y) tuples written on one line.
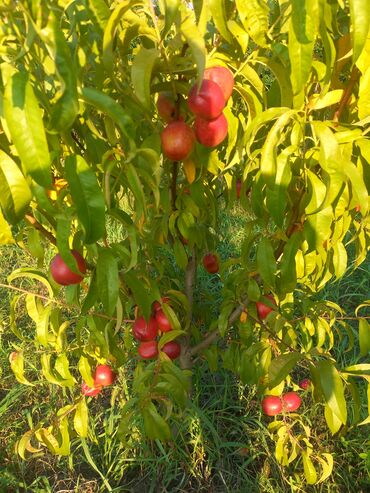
[(147, 331), (206, 102), (288, 403), (103, 376)]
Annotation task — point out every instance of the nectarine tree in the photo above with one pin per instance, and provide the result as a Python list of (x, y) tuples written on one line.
[(109, 98)]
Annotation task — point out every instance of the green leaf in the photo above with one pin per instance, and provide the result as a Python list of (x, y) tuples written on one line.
[(141, 74), (327, 466), (266, 262), (87, 197), (140, 293), (6, 236), (364, 95), (270, 148), (180, 254), (136, 188), (281, 366), (300, 55), (111, 28), (101, 11), (17, 366), (309, 469), (48, 372), (196, 43), (15, 194), (288, 272), (35, 274), (85, 370), (81, 418), (333, 390), (332, 421), (169, 336), (360, 20), (171, 9), (254, 16), (155, 426), (218, 11), (24, 119), (62, 367), (66, 108), (107, 279), (108, 106)]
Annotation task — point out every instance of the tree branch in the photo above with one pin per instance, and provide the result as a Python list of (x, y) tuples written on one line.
[(213, 336), (186, 361), (175, 170), (355, 75), (31, 220)]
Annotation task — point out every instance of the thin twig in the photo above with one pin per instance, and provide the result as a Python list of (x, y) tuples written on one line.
[(31, 220), (58, 302), (355, 75)]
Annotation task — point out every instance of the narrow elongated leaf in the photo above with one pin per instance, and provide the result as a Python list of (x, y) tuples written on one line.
[(107, 279), (281, 366), (300, 55), (24, 119), (270, 148), (196, 43), (17, 366), (35, 274), (364, 336), (111, 28), (81, 418), (254, 16), (66, 108), (332, 386), (108, 106), (155, 426), (360, 20), (218, 12), (141, 74), (15, 194), (266, 261), (62, 367), (309, 468), (87, 196), (101, 11), (171, 9), (6, 236), (85, 370)]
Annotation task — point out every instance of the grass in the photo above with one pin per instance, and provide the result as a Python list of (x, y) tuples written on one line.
[(221, 444)]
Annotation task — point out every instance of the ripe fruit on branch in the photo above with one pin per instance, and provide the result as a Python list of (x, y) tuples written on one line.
[(162, 321), (223, 77), (177, 140), (166, 106), (143, 330), (148, 349), (104, 375), (262, 309), (271, 405), (90, 391), (291, 402), (211, 133), (305, 383), (210, 263), (206, 101), (172, 349), (62, 274)]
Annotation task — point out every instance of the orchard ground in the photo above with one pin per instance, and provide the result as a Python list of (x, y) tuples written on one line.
[(221, 445)]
